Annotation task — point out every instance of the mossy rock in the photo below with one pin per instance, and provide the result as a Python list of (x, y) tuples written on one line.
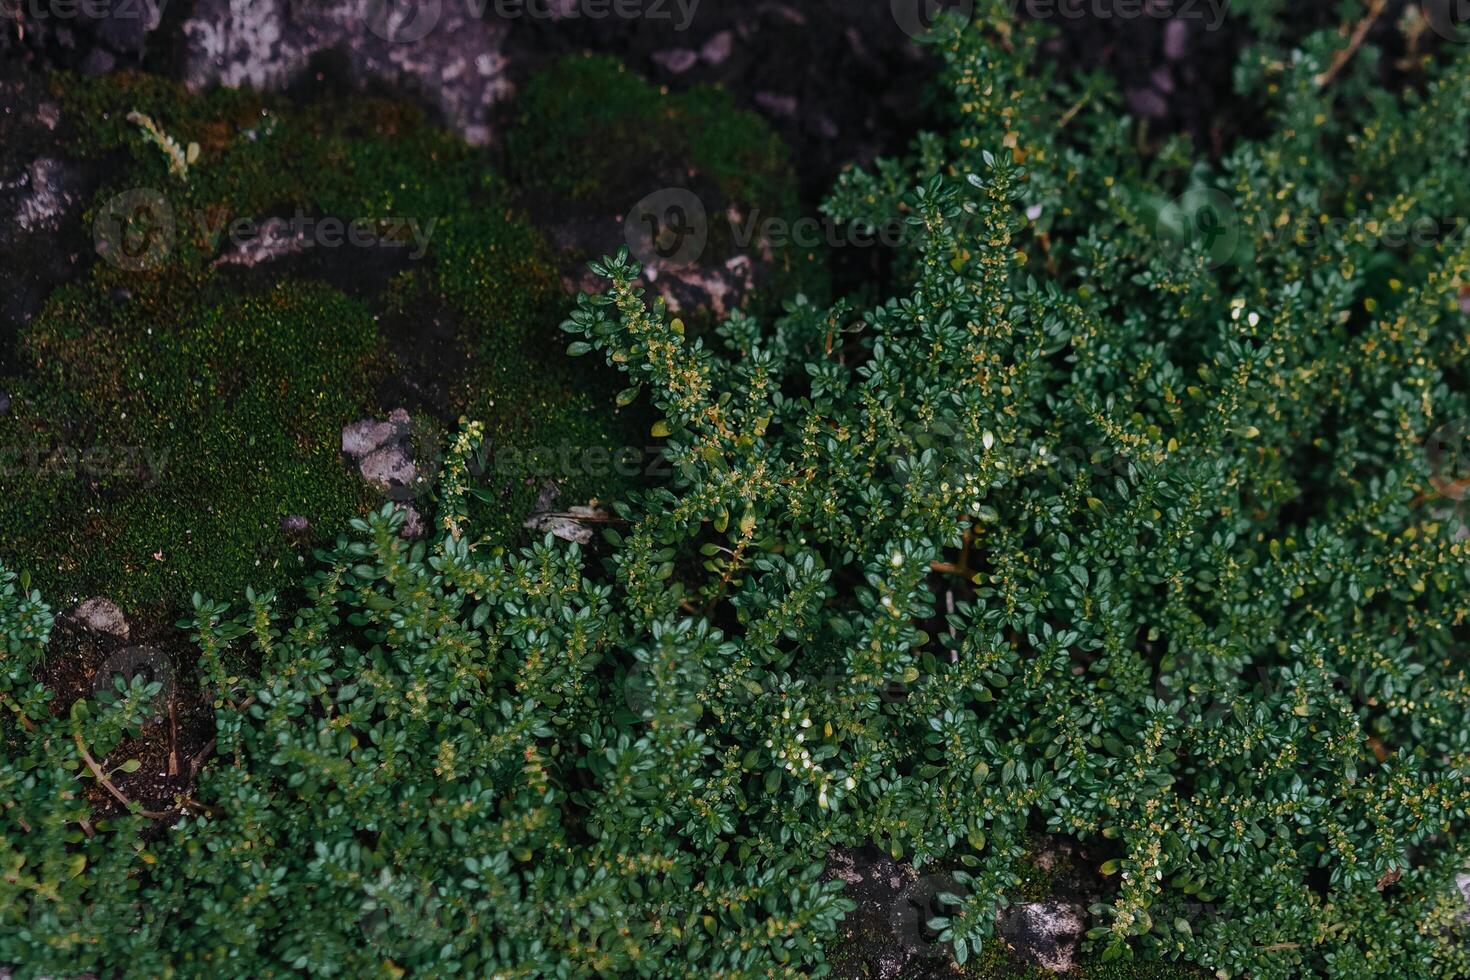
[(217, 393)]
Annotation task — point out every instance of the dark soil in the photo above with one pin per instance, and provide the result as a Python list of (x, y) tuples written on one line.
[(79, 664)]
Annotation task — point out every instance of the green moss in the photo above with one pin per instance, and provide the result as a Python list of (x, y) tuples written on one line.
[(229, 388), (164, 438), (590, 137)]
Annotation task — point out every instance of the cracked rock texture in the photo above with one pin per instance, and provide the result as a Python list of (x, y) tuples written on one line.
[(438, 49), (101, 615), (1046, 933)]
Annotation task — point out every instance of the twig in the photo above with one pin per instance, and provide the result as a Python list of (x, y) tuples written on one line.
[(1076, 107), (20, 820), (107, 784), (173, 739), (25, 722), (1340, 60)]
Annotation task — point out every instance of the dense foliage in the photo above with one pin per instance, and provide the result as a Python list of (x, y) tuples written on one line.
[(1101, 528)]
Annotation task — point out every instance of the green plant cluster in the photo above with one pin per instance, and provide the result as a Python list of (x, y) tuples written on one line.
[(1097, 530)]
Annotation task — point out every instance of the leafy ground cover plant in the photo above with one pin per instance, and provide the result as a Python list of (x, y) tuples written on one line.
[(1118, 525)]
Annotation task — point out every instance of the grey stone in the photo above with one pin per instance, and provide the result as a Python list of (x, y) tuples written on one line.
[(1046, 933), (383, 452), (777, 104), (413, 522), (675, 60), (1147, 102), (274, 239), (360, 438), (388, 467), (439, 48), (101, 615), (295, 524), (1176, 39), (574, 525), (45, 199), (98, 62), (718, 48)]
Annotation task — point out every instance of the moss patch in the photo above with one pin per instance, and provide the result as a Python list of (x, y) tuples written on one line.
[(591, 138), (211, 397)]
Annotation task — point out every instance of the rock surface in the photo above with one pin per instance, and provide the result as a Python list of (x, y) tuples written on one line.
[(439, 49), (1046, 933), (383, 452), (100, 615), (42, 192)]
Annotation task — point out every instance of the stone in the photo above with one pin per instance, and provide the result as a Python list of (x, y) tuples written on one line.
[(718, 48), (46, 200), (359, 439), (1176, 39), (101, 615), (413, 522), (1046, 933), (274, 239), (383, 451), (1147, 102), (675, 60), (4, 403), (98, 62), (573, 525), (777, 104), (388, 467), (295, 524), (443, 50)]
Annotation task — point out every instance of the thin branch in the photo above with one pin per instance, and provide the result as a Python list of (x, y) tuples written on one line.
[(107, 784), (25, 722), (1340, 60)]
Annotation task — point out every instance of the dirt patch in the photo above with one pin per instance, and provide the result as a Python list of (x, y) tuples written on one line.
[(82, 664)]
